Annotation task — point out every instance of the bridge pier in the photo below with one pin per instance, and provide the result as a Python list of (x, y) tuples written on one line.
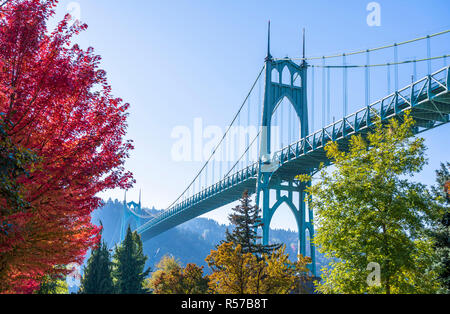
[(131, 216), (268, 177), (304, 222)]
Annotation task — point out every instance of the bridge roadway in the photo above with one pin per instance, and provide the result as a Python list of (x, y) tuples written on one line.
[(429, 102)]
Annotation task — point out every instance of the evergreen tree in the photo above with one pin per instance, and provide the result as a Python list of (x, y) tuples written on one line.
[(97, 277), (129, 264), (441, 234), (246, 220), (53, 284)]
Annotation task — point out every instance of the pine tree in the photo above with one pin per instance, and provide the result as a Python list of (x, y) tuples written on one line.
[(53, 284), (246, 220), (442, 232), (97, 277), (129, 263)]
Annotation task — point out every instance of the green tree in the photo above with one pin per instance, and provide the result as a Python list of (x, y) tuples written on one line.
[(97, 278), (368, 211), (441, 234), (237, 272), (129, 264), (52, 284), (245, 219), (171, 278)]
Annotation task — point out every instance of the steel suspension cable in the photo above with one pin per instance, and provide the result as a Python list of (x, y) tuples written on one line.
[(221, 140), (365, 50), (377, 65)]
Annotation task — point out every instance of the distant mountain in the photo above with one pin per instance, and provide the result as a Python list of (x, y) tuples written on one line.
[(190, 242)]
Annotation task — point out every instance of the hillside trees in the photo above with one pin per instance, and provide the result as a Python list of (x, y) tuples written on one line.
[(59, 106)]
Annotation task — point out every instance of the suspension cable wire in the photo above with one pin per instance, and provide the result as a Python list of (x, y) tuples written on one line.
[(212, 170), (379, 64), (328, 97), (414, 70), (323, 92), (248, 147), (365, 50), (367, 80), (429, 54), (281, 125), (245, 152), (312, 106), (247, 139), (222, 139), (344, 85), (237, 142), (396, 63), (206, 174), (396, 66), (388, 78)]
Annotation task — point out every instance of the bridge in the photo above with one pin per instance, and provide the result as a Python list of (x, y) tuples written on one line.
[(272, 175)]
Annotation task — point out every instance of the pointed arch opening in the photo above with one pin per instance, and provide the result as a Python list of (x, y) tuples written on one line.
[(297, 80), (275, 76), (285, 125), (307, 242), (286, 76), (284, 229)]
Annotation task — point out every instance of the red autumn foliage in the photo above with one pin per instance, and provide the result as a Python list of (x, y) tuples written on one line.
[(60, 107)]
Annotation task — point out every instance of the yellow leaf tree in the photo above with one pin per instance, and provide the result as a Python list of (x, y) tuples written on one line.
[(236, 272)]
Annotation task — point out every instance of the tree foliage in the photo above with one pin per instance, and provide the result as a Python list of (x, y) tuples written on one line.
[(53, 285), (367, 211), (171, 278), (59, 107), (441, 233), (97, 278), (129, 264), (245, 220), (237, 272)]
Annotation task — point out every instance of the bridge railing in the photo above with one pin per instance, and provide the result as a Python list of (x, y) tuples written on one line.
[(390, 106), (383, 109), (238, 177)]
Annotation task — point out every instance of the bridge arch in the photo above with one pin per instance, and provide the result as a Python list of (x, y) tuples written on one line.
[(285, 200), (286, 76), (275, 76), (285, 124)]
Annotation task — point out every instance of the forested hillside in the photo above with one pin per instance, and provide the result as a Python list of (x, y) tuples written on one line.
[(190, 242)]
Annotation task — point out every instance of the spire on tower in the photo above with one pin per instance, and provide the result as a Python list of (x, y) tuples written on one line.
[(269, 56), (304, 46)]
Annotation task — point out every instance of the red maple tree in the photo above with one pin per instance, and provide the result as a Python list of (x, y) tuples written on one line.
[(59, 105)]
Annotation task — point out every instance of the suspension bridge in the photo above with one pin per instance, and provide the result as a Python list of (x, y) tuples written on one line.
[(281, 104)]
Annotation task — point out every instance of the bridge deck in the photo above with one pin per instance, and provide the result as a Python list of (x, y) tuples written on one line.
[(429, 102)]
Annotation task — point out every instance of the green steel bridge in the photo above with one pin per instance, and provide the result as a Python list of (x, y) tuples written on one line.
[(427, 98)]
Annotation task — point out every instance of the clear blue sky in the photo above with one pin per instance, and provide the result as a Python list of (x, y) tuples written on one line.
[(174, 61)]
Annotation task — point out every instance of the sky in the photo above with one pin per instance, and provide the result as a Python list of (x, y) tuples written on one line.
[(175, 61)]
